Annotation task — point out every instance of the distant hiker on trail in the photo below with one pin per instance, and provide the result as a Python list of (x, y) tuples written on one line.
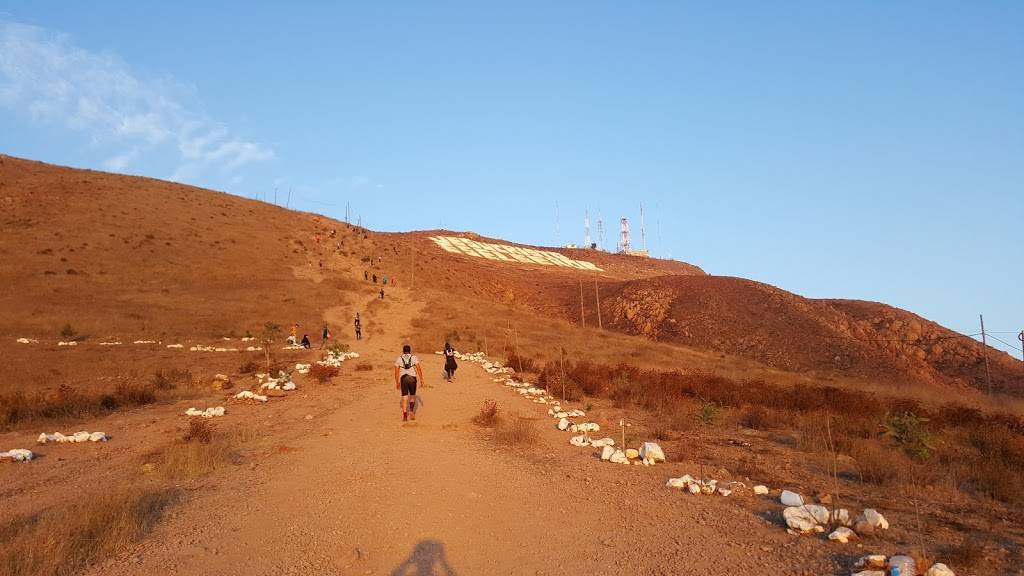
[(450, 365), (366, 275), (381, 293), (408, 373), (305, 342), (326, 337), (384, 281), (294, 338), (359, 328), (374, 278)]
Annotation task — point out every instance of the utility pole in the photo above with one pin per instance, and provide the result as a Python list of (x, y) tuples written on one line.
[(1021, 338), (597, 297), (288, 203), (275, 195), (583, 320), (984, 351)]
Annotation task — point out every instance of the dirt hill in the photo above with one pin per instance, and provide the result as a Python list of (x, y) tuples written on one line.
[(107, 255)]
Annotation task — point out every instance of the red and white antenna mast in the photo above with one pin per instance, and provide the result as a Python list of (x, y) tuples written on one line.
[(624, 235)]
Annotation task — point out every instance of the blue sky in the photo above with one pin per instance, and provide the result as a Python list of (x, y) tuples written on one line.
[(859, 149)]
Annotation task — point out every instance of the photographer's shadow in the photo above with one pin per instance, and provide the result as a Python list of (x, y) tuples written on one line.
[(427, 555)]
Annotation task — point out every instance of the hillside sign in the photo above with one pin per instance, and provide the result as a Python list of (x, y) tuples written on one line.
[(502, 252)]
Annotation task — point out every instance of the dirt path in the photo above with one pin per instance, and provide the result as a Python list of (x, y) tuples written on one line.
[(366, 494)]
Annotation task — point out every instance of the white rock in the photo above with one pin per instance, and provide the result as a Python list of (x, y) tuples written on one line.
[(694, 488), (618, 457), (676, 483), (651, 451), (841, 516), (939, 570), (288, 386), (606, 452), (760, 489), (872, 562), (791, 499), (632, 453), (98, 437), (580, 440), (842, 535), (82, 436), (42, 438), (175, 346), (799, 519), (872, 517), (247, 395), (563, 424), (602, 442), (18, 455)]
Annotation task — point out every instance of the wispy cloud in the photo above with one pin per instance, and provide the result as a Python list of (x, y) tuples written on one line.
[(44, 76)]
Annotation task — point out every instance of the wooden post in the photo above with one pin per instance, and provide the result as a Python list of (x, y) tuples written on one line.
[(597, 297), (516, 344), (984, 350), (561, 366)]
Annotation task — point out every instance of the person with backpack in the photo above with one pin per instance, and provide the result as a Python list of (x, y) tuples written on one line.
[(359, 328), (305, 342), (408, 373), (450, 365), (326, 337)]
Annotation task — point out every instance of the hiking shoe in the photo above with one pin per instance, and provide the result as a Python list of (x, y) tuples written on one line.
[(412, 415), (405, 416)]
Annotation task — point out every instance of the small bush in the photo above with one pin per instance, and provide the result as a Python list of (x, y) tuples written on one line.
[(249, 368), (199, 430), (170, 380), (515, 431), (521, 363), (323, 374), (67, 332), (708, 413), (135, 394), (488, 414), (338, 348), (876, 463), (965, 555), (756, 418), (910, 432)]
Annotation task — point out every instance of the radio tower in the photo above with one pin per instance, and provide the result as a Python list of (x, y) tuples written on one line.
[(624, 235), (600, 231), (586, 225), (643, 232)]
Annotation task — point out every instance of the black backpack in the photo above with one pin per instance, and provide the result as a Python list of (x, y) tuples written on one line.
[(407, 363)]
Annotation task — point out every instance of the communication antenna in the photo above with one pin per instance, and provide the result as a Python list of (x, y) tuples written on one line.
[(586, 226), (643, 231), (557, 242), (624, 235), (600, 230)]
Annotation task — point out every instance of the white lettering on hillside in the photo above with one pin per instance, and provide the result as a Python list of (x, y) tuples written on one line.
[(506, 253)]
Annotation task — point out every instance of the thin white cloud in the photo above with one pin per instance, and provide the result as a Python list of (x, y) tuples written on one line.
[(44, 76)]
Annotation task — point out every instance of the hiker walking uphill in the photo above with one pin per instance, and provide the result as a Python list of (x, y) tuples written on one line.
[(408, 373), (450, 365), (359, 328), (326, 336)]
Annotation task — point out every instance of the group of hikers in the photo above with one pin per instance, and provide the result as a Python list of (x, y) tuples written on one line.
[(293, 338)]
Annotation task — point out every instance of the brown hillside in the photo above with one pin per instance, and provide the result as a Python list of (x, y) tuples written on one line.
[(866, 340)]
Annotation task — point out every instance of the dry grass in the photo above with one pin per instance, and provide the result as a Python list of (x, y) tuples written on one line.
[(488, 415), (515, 431), (364, 367), (64, 540), (201, 450), (17, 408)]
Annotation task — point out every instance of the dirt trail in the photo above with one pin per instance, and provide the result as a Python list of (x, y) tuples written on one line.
[(367, 494)]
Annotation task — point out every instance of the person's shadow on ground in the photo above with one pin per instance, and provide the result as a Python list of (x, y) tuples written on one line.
[(424, 557)]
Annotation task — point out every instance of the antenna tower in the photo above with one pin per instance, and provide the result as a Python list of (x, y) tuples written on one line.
[(586, 226), (643, 231), (600, 230), (624, 235)]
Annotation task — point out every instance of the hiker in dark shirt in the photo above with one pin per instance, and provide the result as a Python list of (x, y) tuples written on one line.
[(359, 328), (305, 342), (450, 365)]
